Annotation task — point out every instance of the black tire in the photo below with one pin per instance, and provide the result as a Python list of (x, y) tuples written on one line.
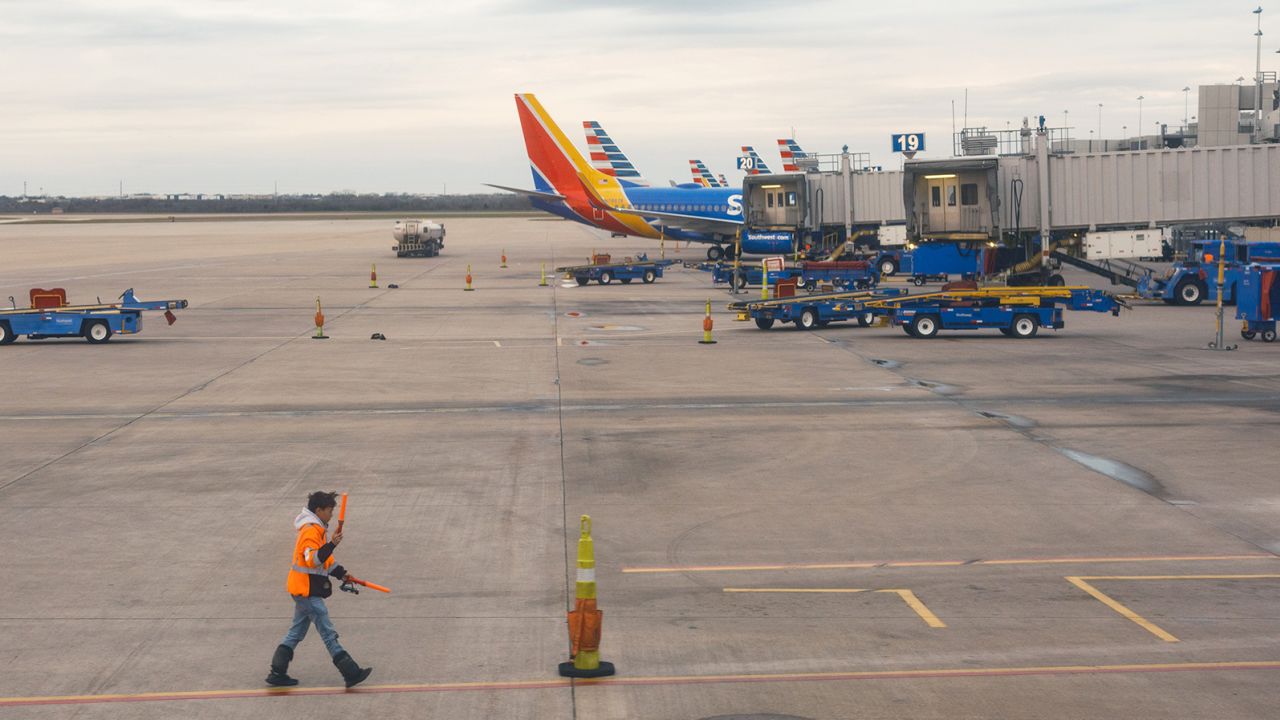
[(1268, 336), (606, 277), (906, 328), (6, 334), (809, 285), (764, 323), (715, 253), (625, 281), (865, 319), (1189, 292), (97, 332), (1006, 331), (925, 326), (583, 280), (919, 281), (1024, 326), (888, 267), (808, 319), (742, 281), (1056, 281), (1248, 334), (649, 277)]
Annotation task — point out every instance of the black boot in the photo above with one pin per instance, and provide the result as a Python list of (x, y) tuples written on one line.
[(280, 667), (351, 671)]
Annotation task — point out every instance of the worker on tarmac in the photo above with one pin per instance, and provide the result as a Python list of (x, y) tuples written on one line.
[(308, 583)]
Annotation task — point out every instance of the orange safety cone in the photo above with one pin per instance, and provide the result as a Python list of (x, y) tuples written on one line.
[(504, 259), (585, 620), (468, 288), (319, 323), (706, 327), (373, 276)]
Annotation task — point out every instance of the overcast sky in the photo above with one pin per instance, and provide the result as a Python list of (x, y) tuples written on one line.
[(390, 96)]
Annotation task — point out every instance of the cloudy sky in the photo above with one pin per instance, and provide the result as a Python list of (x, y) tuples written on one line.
[(391, 96)]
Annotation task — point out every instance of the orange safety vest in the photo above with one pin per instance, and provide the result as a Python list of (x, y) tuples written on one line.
[(306, 560)]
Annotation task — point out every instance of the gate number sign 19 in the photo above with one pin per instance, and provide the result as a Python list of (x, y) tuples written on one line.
[(908, 142)]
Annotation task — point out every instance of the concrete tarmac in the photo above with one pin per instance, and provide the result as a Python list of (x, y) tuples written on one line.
[(845, 523)]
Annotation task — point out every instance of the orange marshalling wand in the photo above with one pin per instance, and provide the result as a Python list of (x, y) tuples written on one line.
[(342, 512)]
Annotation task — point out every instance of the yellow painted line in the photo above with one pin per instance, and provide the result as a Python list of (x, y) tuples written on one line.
[(914, 603), (907, 596), (604, 683), (943, 563), (1082, 583), (796, 590)]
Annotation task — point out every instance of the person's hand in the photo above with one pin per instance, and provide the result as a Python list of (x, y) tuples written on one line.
[(336, 539)]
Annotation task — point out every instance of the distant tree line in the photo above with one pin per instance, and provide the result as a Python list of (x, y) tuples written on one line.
[(333, 202)]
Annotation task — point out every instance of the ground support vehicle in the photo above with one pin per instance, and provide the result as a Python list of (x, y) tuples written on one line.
[(1014, 311), (1189, 282), (604, 271), (1259, 301), (939, 261), (51, 317), (812, 311), (418, 238), (747, 274), (840, 274)]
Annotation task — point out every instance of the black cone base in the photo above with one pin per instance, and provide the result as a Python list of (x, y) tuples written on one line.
[(568, 670)]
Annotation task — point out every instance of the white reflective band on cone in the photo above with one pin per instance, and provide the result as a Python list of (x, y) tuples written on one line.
[(586, 574)]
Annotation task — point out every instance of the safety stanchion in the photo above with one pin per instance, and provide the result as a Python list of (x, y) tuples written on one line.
[(373, 276), (468, 288), (764, 284), (504, 259), (543, 281), (319, 323), (585, 619), (706, 327)]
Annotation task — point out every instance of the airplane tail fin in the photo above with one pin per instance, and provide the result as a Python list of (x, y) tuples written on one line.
[(607, 157), (557, 165), (701, 175), (757, 163), (791, 154)]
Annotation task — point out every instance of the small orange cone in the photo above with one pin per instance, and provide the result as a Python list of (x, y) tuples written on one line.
[(319, 323), (504, 259), (707, 324), (373, 276), (468, 288)]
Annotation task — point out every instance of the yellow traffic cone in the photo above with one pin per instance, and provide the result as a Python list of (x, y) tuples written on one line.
[(585, 620), (707, 324)]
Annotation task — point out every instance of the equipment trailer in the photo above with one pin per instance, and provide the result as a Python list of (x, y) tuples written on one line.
[(603, 271), (1259, 302), (51, 317), (812, 311), (1014, 311)]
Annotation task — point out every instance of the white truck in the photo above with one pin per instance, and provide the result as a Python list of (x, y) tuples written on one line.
[(418, 238)]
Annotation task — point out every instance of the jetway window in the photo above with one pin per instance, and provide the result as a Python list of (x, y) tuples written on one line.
[(951, 196), (791, 199), (770, 196), (969, 194), (936, 193)]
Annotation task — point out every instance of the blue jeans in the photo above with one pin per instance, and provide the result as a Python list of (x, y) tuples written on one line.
[(307, 610)]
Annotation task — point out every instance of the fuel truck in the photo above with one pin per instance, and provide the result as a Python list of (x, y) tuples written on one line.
[(418, 238)]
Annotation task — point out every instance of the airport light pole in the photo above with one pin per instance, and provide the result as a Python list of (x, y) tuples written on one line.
[(1257, 98), (1099, 121), (1186, 109), (1140, 99)]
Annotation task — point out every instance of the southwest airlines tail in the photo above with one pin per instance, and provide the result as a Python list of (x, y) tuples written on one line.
[(607, 157), (790, 153), (703, 176), (757, 166)]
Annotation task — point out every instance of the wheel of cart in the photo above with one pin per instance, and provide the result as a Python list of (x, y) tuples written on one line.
[(6, 334), (649, 276), (764, 323), (97, 332), (924, 326), (742, 281), (1268, 336), (1024, 326), (582, 279), (606, 277), (866, 319), (919, 280), (625, 281), (808, 319)]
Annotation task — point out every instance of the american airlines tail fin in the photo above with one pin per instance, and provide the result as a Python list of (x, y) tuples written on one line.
[(703, 176), (757, 165), (791, 155), (723, 182), (607, 157)]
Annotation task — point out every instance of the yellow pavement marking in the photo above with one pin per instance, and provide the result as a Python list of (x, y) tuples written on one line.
[(943, 563), (603, 683), (907, 596), (1081, 581), (914, 603)]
